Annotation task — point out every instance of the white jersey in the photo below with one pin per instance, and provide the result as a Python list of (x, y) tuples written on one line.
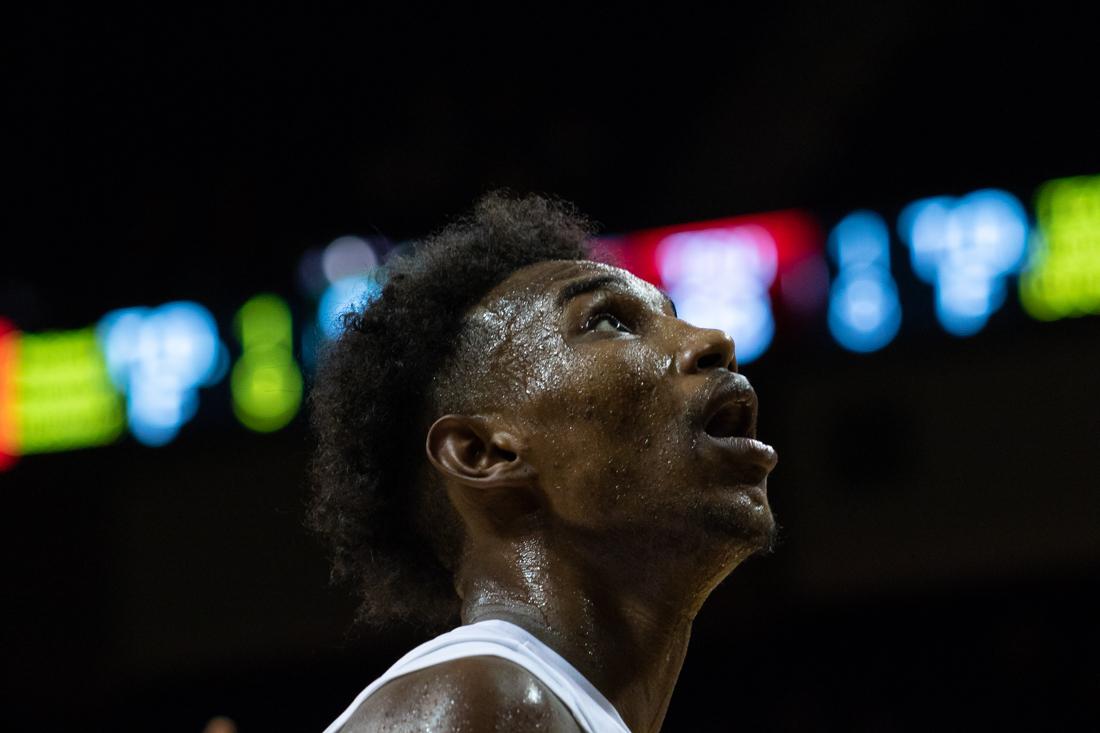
[(503, 639)]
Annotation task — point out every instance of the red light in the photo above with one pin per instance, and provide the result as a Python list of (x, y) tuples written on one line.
[(796, 234)]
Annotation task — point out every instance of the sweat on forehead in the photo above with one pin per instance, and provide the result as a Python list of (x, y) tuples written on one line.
[(504, 330), (512, 337), (561, 278)]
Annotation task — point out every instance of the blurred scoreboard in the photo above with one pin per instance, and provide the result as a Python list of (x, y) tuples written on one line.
[(142, 371)]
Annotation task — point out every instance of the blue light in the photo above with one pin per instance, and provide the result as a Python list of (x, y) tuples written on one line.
[(864, 310), (159, 357), (719, 278), (347, 294), (965, 248)]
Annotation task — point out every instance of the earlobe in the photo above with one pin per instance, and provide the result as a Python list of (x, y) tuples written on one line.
[(471, 451)]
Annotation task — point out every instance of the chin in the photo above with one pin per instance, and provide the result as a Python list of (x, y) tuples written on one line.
[(748, 519)]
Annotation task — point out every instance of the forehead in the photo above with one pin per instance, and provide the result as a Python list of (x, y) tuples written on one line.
[(547, 280), (515, 332)]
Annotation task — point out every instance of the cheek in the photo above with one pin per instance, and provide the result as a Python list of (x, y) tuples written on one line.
[(631, 390), (608, 388), (612, 425)]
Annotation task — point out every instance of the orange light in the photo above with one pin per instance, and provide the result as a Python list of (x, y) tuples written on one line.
[(9, 354)]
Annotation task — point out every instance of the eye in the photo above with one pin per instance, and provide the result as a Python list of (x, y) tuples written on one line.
[(607, 323)]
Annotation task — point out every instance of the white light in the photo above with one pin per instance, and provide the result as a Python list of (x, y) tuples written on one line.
[(347, 257), (719, 278)]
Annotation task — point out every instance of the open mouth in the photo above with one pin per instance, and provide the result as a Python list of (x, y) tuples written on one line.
[(733, 419), (730, 423)]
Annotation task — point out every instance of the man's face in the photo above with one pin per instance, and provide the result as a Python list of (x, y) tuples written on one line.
[(636, 422)]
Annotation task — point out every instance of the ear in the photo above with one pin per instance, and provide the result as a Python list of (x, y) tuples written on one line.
[(470, 451)]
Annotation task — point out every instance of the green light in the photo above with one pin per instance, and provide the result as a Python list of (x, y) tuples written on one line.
[(64, 398), (1063, 277), (266, 383)]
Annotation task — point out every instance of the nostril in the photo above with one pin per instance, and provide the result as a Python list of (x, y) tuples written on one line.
[(705, 350), (709, 361)]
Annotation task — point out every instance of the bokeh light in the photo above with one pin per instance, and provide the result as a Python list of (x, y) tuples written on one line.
[(266, 383), (342, 296), (346, 257), (350, 265), (864, 310), (965, 247), (1063, 276), (719, 278), (61, 396), (9, 341), (159, 357)]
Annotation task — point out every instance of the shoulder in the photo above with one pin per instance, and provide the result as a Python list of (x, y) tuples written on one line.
[(466, 694)]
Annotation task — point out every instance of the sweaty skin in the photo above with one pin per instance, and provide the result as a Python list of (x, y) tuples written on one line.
[(599, 513)]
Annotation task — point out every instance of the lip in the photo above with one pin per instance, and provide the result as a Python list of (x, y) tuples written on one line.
[(750, 451)]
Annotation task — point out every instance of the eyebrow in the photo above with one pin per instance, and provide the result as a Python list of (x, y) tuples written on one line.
[(597, 282)]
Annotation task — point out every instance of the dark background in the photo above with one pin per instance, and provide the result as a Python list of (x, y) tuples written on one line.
[(939, 498)]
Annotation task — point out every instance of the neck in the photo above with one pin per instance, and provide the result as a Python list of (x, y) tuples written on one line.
[(624, 626)]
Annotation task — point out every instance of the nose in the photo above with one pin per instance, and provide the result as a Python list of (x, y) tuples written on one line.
[(706, 349)]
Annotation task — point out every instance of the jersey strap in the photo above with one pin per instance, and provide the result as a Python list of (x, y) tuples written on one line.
[(497, 638)]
